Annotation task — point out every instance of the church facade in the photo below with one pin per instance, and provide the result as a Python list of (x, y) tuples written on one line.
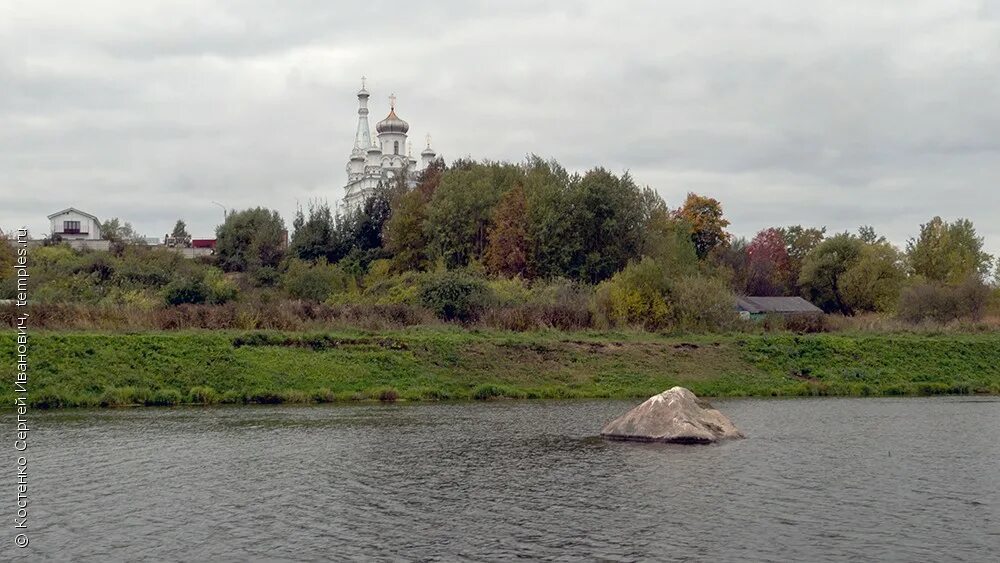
[(375, 162)]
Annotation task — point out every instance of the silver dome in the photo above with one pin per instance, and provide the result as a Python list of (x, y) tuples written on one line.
[(392, 124)]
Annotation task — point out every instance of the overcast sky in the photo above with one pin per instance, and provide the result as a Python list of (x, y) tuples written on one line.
[(820, 113)]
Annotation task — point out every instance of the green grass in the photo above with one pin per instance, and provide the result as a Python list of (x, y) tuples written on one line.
[(424, 364)]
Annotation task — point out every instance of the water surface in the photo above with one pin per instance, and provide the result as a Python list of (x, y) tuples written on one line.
[(817, 480)]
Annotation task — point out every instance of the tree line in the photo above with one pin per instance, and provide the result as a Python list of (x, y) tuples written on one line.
[(536, 221), (462, 238)]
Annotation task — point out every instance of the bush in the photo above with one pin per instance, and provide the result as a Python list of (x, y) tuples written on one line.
[(220, 288), (944, 302), (183, 291), (509, 292), (454, 296), (395, 290), (702, 303), (314, 282), (637, 295), (264, 276)]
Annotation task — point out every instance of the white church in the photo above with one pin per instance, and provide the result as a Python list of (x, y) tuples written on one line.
[(376, 162)]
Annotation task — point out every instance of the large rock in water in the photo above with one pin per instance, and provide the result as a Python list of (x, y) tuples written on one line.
[(675, 416)]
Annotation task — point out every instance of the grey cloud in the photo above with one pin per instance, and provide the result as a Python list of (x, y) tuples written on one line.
[(828, 113)]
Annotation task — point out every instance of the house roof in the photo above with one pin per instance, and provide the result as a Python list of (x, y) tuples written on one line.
[(75, 210), (776, 305)]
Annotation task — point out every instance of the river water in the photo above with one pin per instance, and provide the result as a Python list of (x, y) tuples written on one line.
[(817, 480)]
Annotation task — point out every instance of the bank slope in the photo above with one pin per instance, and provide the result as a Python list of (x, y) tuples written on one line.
[(164, 368)]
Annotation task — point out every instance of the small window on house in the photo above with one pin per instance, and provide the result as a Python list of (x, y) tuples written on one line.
[(71, 227), (395, 147)]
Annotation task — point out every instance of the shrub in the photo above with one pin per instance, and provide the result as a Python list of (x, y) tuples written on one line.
[(220, 288), (944, 302), (636, 295), (264, 276), (187, 290), (454, 296), (400, 289), (701, 302), (314, 282), (509, 292)]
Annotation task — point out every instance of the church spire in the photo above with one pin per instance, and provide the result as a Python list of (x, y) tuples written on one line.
[(363, 138)]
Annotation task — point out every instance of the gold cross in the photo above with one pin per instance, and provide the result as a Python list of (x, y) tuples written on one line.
[(392, 101), (362, 82), (428, 140)]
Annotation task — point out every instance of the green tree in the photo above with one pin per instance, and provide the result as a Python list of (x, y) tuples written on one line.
[(823, 268), (668, 243), (708, 226), (252, 241), (116, 230), (948, 252), (404, 235), (799, 242), (461, 207), (507, 249), (367, 224), (315, 235), (868, 235), (652, 204), (874, 281), (608, 215), (180, 230), (553, 238), (732, 262), (314, 281), (8, 256)]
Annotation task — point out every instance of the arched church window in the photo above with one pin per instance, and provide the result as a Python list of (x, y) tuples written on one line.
[(395, 147)]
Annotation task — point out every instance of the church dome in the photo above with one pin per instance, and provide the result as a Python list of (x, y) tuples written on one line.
[(392, 124)]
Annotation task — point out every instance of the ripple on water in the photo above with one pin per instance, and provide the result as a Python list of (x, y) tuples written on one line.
[(817, 480)]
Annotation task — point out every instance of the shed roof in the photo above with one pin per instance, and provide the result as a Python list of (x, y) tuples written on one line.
[(776, 305)]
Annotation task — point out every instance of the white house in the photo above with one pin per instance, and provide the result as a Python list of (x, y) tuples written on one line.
[(79, 229), (73, 224)]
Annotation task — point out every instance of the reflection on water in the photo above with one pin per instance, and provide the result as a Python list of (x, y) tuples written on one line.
[(817, 480)]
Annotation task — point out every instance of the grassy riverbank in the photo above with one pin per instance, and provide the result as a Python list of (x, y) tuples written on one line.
[(164, 368)]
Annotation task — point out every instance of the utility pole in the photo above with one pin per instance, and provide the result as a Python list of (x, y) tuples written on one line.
[(225, 211)]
